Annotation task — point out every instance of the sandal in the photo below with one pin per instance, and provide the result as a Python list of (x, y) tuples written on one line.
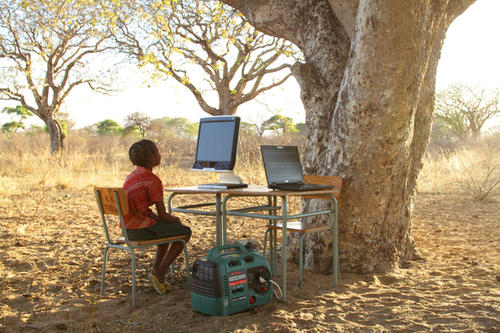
[(168, 287), (157, 285)]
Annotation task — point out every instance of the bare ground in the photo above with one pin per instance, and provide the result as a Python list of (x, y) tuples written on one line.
[(51, 255)]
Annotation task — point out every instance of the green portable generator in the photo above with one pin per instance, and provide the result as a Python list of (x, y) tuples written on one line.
[(230, 279)]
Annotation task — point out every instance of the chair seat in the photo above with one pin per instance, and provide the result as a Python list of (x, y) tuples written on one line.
[(121, 240), (300, 227)]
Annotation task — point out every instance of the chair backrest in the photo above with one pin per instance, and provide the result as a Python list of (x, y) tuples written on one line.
[(336, 181), (109, 204), (112, 201)]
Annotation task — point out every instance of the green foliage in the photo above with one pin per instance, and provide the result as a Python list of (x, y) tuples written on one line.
[(181, 126), (248, 129), (132, 131), (280, 126), (19, 111), (108, 127), (11, 127), (64, 127), (301, 127), (279, 122)]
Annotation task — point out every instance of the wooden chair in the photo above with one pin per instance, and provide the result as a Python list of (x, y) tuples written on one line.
[(303, 228), (113, 201)]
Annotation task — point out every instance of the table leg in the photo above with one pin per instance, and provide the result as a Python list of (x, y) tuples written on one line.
[(283, 248), (220, 236), (169, 202), (271, 201), (275, 240)]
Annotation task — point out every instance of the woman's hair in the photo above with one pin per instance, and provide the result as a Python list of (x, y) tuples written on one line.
[(140, 153)]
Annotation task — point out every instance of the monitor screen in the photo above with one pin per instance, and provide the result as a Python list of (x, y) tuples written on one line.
[(217, 143)]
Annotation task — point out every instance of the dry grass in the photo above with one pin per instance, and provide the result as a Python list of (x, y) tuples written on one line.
[(88, 161), (474, 172)]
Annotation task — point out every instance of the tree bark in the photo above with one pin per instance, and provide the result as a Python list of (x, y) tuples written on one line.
[(368, 90), (56, 135)]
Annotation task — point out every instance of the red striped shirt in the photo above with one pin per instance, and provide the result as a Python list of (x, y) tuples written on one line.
[(143, 189)]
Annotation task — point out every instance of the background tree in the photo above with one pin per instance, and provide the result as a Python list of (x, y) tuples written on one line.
[(44, 49), (281, 124), (157, 130), (207, 47), (463, 110), (181, 127), (257, 120), (19, 112), (249, 129), (367, 84), (140, 121), (65, 120), (441, 137), (10, 127), (108, 127), (132, 131), (35, 130), (301, 127)]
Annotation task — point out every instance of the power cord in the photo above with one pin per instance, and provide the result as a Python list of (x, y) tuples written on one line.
[(276, 291)]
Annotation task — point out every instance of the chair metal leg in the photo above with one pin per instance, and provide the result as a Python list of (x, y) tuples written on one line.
[(335, 259), (103, 272), (265, 242), (274, 255), (336, 263), (301, 258), (188, 275), (133, 276)]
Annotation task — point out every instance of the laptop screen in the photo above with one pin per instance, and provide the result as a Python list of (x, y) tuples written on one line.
[(282, 164)]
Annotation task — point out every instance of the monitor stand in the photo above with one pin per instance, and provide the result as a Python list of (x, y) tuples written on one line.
[(226, 180)]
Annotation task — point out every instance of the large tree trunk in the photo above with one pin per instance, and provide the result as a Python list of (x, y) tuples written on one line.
[(56, 135), (369, 111)]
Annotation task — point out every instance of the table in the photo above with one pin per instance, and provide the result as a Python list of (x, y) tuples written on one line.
[(222, 196)]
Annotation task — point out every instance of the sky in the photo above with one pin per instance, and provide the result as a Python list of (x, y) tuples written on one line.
[(471, 50), (470, 55)]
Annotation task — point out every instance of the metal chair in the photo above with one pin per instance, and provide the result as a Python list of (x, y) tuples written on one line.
[(303, 228), (113, 201)]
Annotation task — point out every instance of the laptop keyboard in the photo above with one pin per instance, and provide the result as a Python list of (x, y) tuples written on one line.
[(301, 187)]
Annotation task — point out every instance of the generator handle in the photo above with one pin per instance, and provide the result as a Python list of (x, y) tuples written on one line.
[(214, 252)]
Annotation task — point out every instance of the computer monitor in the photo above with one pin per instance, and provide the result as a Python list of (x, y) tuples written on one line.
[(217, 148)]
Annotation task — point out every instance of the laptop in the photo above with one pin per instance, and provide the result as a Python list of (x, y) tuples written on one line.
[(284, 171)]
